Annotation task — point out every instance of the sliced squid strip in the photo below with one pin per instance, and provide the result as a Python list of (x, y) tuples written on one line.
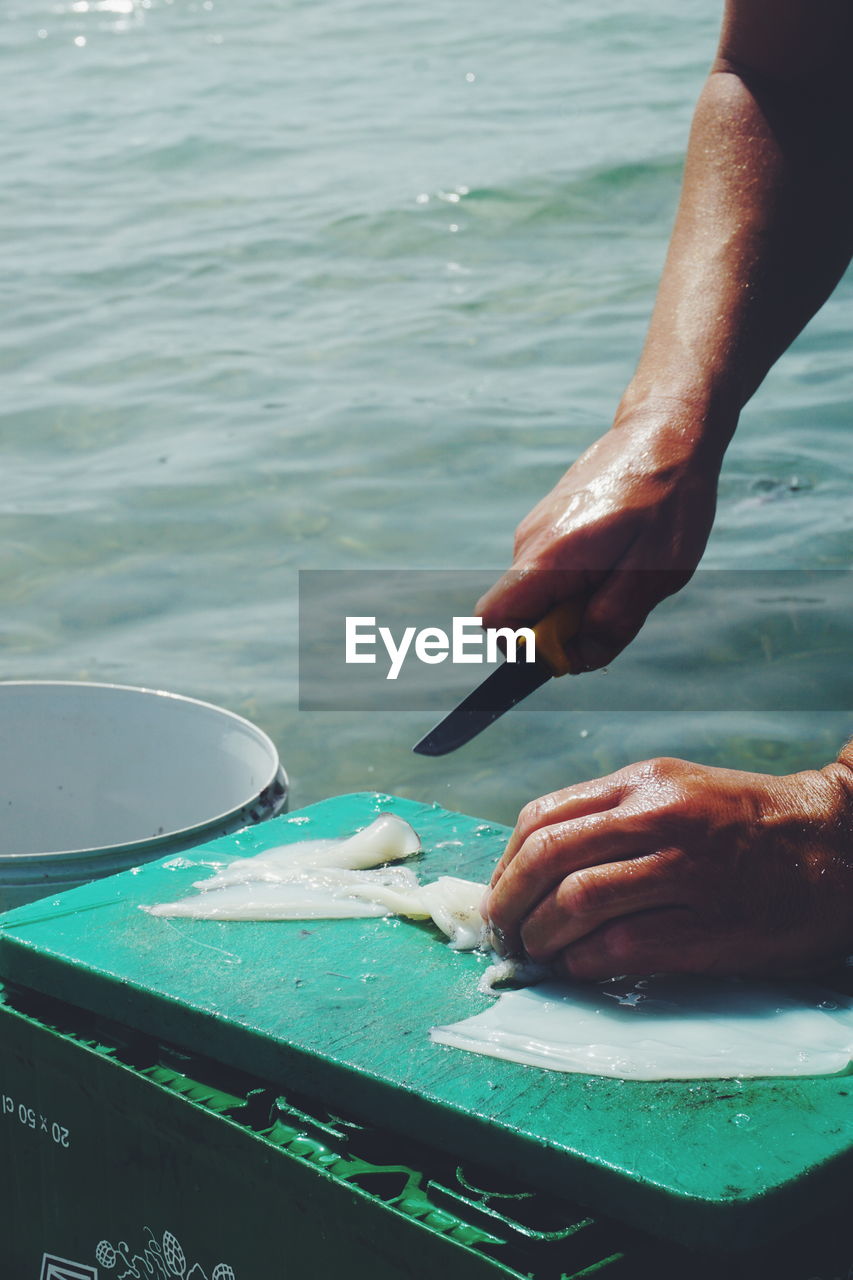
[(388, 839), (665, 1028)]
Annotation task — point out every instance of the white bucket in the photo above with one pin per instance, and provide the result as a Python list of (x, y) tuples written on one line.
[(95, 778)]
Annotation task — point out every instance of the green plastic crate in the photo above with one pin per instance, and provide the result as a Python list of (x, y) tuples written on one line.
[(121, 1152)]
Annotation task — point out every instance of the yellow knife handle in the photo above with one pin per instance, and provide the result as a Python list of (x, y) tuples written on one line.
[(556, 628)]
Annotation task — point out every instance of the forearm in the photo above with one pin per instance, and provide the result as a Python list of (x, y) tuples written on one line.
[(763, 232), (762, 235)]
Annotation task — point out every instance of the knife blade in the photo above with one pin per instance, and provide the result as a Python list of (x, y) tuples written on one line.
[(509, 684)]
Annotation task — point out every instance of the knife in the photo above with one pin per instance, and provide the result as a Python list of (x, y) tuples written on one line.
[(507, 685)]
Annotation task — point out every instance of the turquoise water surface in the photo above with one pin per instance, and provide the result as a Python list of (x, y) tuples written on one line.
[(338, 284)]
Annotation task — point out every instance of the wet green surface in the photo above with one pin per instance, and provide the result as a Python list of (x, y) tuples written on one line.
[(341, 1010)]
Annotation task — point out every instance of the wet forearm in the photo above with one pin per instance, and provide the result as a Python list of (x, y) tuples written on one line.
[(762, 235)]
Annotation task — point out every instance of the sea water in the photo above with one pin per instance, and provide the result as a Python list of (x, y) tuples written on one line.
[(347, 284)]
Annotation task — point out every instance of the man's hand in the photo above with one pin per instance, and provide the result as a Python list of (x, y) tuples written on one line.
[(624, 527), (674, 867)]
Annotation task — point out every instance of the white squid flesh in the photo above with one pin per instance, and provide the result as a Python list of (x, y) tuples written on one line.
[(665, 1027)]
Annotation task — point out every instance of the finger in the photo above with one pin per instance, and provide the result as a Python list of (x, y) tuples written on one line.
[(524, 594), (577, 801), (589, 898), (551, 853), (619, 608), (662, 940)]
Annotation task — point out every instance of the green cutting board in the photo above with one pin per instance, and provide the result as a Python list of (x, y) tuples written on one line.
[(341, 1010)]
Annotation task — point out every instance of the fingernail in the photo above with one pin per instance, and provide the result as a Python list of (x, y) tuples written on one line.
[(484, 904), (498, 938)]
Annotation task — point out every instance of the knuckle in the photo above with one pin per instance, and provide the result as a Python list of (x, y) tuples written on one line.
[(531, 816), (541, 846), (658, 769), (537, 814), (627, 779), (671, 767), (663, 783), (582, 894)]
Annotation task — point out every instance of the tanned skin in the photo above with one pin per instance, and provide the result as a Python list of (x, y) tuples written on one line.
[(668, 865)]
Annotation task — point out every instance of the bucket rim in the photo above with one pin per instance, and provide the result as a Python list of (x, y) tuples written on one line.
[(272, 794)]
